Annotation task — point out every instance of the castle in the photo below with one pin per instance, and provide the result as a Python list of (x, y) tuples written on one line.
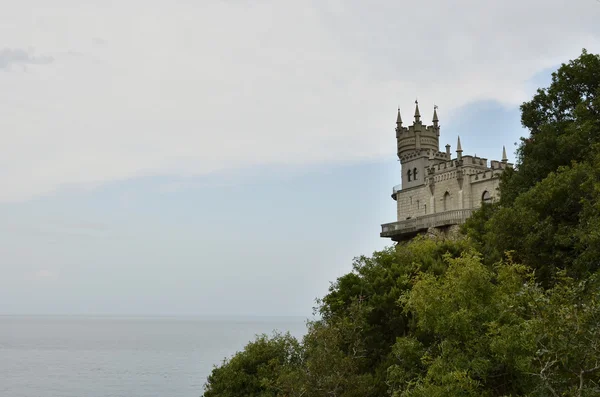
[(438, 192)]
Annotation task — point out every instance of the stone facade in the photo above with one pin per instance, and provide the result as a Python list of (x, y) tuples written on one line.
[(437, 191)]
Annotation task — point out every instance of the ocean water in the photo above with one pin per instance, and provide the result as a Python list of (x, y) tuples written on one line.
[(121, 357)]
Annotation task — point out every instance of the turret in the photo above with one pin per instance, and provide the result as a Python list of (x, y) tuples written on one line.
[(417, 113), (417, 139), (398, 125), (459, 150)]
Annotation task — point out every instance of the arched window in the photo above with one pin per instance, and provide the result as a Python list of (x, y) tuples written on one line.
[(415, 174), (409, 173), (446, 201), (486, 197)]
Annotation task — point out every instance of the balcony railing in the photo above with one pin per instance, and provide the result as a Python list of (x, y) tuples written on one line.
[(452, 217)]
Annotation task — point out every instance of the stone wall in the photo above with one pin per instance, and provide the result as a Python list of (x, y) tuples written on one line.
[(418, 201), (482, 184), (413, 202), (447, 183), (418, 163), (451, 232)]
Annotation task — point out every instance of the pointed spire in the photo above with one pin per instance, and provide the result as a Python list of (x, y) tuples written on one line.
[(459, 149), (504, 158), (435, 116), (417, 113), (399, 119)]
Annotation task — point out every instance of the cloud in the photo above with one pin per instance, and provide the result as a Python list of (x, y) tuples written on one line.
[(9, 57), (189, 88)]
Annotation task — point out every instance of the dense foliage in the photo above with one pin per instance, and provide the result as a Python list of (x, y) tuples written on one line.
[(256, 370), (548, 213), (512, 308)]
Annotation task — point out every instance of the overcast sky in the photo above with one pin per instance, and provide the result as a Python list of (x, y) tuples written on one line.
[(232, 157)]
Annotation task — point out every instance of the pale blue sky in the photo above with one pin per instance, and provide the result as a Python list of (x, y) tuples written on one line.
[(232, 158)]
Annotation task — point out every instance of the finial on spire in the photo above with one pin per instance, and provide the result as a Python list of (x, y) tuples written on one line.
[(399, 118), (504, 158), (417, 113), (435, 116)]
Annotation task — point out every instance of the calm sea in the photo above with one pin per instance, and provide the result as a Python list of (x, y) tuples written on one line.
[(121, 357)]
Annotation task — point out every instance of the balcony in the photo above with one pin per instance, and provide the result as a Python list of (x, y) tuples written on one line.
[(408, 228)]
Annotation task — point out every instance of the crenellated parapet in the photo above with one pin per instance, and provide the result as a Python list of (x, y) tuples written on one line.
[(473, 167)]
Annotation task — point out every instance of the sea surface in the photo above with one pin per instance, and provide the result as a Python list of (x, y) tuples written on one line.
[(51, 356)]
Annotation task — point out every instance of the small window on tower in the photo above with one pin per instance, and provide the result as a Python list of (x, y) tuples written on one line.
[(415, 174), (409, 173)]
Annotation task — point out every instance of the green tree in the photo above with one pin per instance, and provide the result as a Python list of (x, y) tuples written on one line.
[(495, 332), (255, 371), (468, 341), (566, 330), (334, 359), (377, 283), (548, 209), (552, 226), (564, 124)]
